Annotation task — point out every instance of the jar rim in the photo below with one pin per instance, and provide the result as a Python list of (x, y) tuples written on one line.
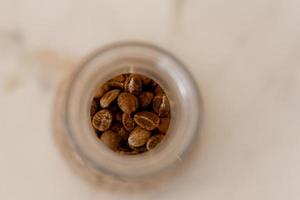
[(196, 98)]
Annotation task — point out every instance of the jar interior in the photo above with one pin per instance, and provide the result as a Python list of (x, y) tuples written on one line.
[(121, 135)]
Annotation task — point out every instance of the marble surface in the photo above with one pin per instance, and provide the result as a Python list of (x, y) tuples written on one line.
[(243, 54)]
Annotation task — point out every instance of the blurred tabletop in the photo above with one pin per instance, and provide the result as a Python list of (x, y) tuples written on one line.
[(245, 56)]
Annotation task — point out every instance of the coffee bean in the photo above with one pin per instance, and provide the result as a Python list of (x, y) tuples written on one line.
[(147, 120), (120, 78), (164, 124), (116, 85), (153, 84), (128, 122), (161, 105), (154, 141), (116, 127), (124, 133), (145, 99), (158, 91), (117, 82), (116, 113), (133, 84), (128, 152), (141, 149), (108, 97), (126, 75), (145, 80), (157, 132), (102, 120), (111, 139), (138, 137), (101, 91), (127, 102), (94, 107)]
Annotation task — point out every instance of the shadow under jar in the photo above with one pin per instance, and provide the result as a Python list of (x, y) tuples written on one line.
[(72, 120)]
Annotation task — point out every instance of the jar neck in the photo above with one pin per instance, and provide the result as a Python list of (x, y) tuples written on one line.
[(158, 65)]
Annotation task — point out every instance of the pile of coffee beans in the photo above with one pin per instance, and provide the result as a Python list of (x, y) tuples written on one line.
[(130, 114)]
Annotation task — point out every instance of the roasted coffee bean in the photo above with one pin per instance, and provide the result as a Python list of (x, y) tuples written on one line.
[(154, 141), (157, 132), (117, 82), (120, 78), (108, 97), (141, 149), (161, 105), (124, 133), (158, 91), (147, 120), (128, 122), (153, 84), (145, 99), (133, 84), (138, 137), (165, 107), (101, 91), (126, 75), (164, 124), (102, 120), (116, 127), (94, 107), (145, 80), (128, 152), (117, 115), (127, 102), (111, 139), (116, 85), (156, 103)]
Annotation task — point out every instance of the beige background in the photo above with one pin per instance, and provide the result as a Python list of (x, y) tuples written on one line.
[(243, 53)]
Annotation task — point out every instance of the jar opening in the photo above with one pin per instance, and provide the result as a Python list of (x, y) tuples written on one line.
[(130, 114), (140, 59)]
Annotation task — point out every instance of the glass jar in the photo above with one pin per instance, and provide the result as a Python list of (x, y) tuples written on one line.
[(76, 138)]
